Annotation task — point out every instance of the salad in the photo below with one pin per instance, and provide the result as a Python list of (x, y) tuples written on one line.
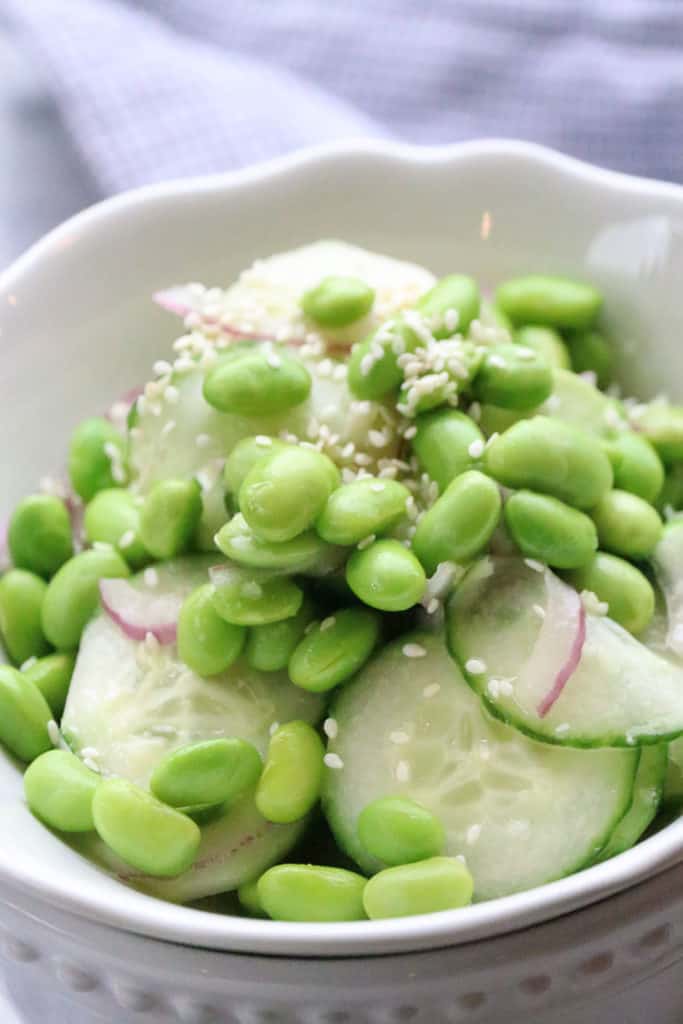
[(368, 604)]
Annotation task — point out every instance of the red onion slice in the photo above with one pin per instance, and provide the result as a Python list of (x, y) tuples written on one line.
[(138, 613), (176, 299), (560, 641)]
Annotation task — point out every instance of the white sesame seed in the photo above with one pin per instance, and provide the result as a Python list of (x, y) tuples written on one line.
[(274, 726), (202, 440), (172, 395), (274, 361), (333, 761), (563, 729), (538, 610), (524, 353), (151, 577), (534, 564), (102, 545), (327, 623), (377, 487), (252, 589), (127, 538), (89, 763), (431, 690), (410, 432), (433, 606), (27, 664), (413, 650), (476, 448), (263, 441), (497, 361), (474, 411), (399, 737), (54, 734), (90, 752), (167, 428), (348, 450), (472, 835), (161, 368), (402, 771), (475, 666), (366, 542), (331, 728)]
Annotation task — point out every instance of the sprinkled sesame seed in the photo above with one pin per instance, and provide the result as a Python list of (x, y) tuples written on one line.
[(274, 361), (413, 650), (377, 487), (348, 450), (161, 368), (402, 771), (127, 538), (327, 623), (474, 411), (410, 432), (497, 361), (151, 577), (563, 729), (89, 763), (171, 394), (331, 728), (167, 428), (263, 441), (202, 440), (433, 606), (475, 666), (366, 542), (333, 761), (102, 545), (274, 726), (538, 610), (524, 353), (399, 737), (472, 835), (534, 564), (476, 448), (377, 438), (252, 589), (27, 664), (431, 690)]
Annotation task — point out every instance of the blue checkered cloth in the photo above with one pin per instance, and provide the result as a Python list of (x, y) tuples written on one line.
[(153, 89)]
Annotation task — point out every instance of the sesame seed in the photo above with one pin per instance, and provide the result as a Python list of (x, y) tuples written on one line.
[(151, 577), (562, 729), (54, 734), (127, 538), (273, 728), (167, 428), (472, 835), (377, 438), (327, 623), (348, 450), (399, 737), (161, 368), (413, 650), (524, 353), (410, 432), (274, 361), (474, 411), (27, 664), (538, 610), (202, 440), (263, 441), (534, 564), (377, 487), (431, 690), (333, 761), (433, 606), (102, 545), (172, 395), (252, 589), (331, 728), (475, 666), (366, 542), (402, 771), (476, 448), (89, 763)]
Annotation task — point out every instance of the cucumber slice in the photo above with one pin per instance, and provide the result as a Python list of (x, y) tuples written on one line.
[(647, 794), (620, 694), (667, 561), (672, 795), (130, 704), (521, 813)]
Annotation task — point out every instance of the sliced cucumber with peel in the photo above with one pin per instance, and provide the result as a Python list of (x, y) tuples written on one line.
[(521, 813), (647, 795), (620, 693)]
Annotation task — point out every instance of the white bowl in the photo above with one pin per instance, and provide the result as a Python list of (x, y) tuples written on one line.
[(77, 327)]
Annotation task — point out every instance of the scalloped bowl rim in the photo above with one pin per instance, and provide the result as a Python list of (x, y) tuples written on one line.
[(154, 918)]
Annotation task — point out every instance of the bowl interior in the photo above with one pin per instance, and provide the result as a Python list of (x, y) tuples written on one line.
[(78, 328)]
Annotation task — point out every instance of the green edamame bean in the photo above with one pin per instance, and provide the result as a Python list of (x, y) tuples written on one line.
[(513, 377), (386, 576), (547, 455), (283, 496), (455, 293), (493, 315), (334, 650), (39, 534), (206, 642), (373, 369), (338, 301), (636, 465), (169, 517), (662, 425), (60, 789), (550, 531), (269, 647), (460, 523), (440, 883), (356, 510), (210, 772), (626, 591), (442, 444), (24, 714), (257, 384), (627, 525), (591, 351), (52, 675), (253, 598), (113, 517), (293, 773), (549, 301), (548, 343), (22, 595), (96, 457), (494, 420), (246, 454), (671, 494), (72, 595), (239, 543), (249, 899), (399, 831), (306, 892), (143, 832)]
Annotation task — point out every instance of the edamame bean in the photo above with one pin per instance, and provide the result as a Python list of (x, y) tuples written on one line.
[(625, 590), (591, 352), (549, 301), (96, 457), (460, 523), (60, 789), (257, 384), (334, 650), (148, 835), (169, 517), (253, 598), (373, 369), (627, 525), (386, 576), (39, 534), (249, 899), (292, 777), (494, 420), (305, 892), (113, 517), (671, 494), (662, 425), (72, 595), (443, 442), (456, 293), (22, 595), (636, 465), (210, 772), (239, 543), (356, 510), (269, 647), (283, 496), (24, 714), (52, 675), (338, 301), (440, 883), (399, 831), (493, 315), (550, 531), (513, 377), (206, 642), (547, 343), (547, 455), (246, 454)]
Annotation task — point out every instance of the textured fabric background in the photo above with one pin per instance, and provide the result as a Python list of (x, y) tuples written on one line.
[(133, 91)]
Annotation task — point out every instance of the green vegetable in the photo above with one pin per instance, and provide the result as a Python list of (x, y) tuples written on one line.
[(257, 384), (249, 899), (283, 496), (547, 343), (209, 772), (96, 457), (334, 650), (386, 575), (662, 425), (73, 594), (513, 377), (590, 351), (305, 892), (627, 525), (269, 647), (24, 714), (39, 534), (170, 516), (626, 591), (59, 790), (52, 675), (460, 523), (254, 598), (636, 465), (456, 293), (113, 517), (246, 454), (547, 529), (440, 883), (22, 595), (206, 642), (292, 777), (550, 301), (302, 553), (396, 831), (364, 507), (338, 301), (442, 444)]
